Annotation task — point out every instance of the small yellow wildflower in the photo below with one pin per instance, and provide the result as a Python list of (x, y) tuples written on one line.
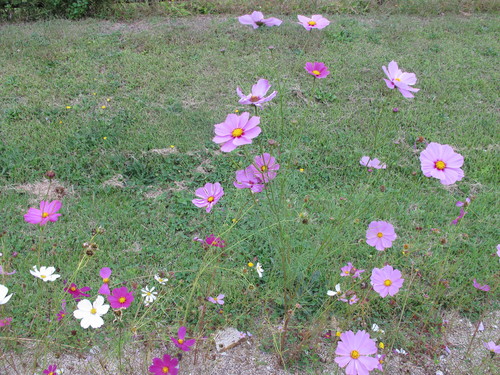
[(108, 99), (172, 146), (60, 122), (103, 107), (104, 138), (301, 170), (94, 93), (338, 333), (68, 107), (236, 111), (250, 264), (381, 345)]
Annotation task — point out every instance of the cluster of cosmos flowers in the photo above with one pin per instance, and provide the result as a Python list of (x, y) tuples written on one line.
[(356, 352)]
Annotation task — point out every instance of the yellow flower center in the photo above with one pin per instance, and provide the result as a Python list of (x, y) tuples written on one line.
[(93, 311), (347, 272), (440, 165), (148, 293), (312, 23), (43, 276), (180, 341), (398, 79), (210, 199), (387, 282), (51, 373), (105, 280), (238, 132), (354, 354), (73, 288), (263, 168), (254, 98), (122, 299), (380, 235), (250, 264), (45, 214), (316, 72), (164, 370)]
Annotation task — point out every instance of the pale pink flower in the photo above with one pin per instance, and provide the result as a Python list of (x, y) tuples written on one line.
[(352, 300), (440, 161), (354, 353), (372, 163), (46, 213), (380, 234), (256, 19), (217, 300), (350, 270), (316, 69), (460, 216), (209, 195), (317, 21), (249, 178), (236, 131), (400, 79), (386, 281), (105, 273), (258, 94), (265, 167), (484, 288), (492, 347), (463, 204)]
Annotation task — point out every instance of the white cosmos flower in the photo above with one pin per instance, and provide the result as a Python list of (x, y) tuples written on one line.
[(259, 269), (337, 292), (400, 351), (4, 298), (149, 295), (376, 328), (45, 273), (90, 314), (161, 280)]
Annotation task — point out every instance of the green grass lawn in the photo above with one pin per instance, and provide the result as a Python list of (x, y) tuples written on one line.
[(92, 99)]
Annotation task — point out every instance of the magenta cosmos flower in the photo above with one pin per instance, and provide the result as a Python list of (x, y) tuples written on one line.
[(354, 351), (211, 241), (51, 370), (372, 163), (316, 21), (105, 273), (62, 313), (484, 288), (4, 322), (257, 96), (181, 341), (492, 347), (256, 19), (316, 69), (386, 281), (236, 131), (120, 298), (77, 293), (440, 161), (46, 213), (380, 234), (400, 79), (249, 178), (164, 366), (265, 167), (209, 195)]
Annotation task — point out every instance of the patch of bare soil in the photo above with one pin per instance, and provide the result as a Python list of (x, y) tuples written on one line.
[(117, 181), (44, 190)]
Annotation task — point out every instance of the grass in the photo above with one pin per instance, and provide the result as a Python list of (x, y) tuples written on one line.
[(166, 82)]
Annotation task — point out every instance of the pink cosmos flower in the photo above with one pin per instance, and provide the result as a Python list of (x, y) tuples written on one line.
[(219, 299), (350, 270), (354, 351), (51, 370), (460, 216), (316, 21), (2, 272), (5, 322), (491, 346), (62, 313), (181, 341), (248, 179), (265, 167), (498, 250), (105, 273), (316, 69), (257, 96), (46, 213), (380, 359), (211, 241), (440, 161), (372, 163), (120, 298), (401, 80), (352, 300), (209, 195), (386, 281), (256, 19), (380, 234), (463, 204), (236, 131), (77, 293), (485, 287), (164, 366)]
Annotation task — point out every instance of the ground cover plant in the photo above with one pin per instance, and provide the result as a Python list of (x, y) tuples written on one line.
[(320, 181)]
